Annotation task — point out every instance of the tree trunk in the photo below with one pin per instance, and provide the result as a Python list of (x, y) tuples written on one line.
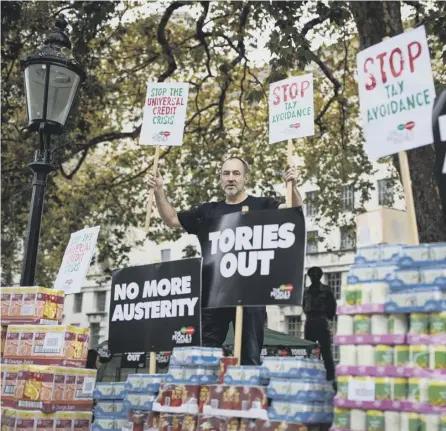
[(374, 21)]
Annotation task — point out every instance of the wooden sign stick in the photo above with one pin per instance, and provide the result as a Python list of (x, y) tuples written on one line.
[(152, 191), (407, 185), (238, 327), (152, 363), (289, 191)]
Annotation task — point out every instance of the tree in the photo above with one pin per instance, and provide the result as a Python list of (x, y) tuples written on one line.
[(101, 167)]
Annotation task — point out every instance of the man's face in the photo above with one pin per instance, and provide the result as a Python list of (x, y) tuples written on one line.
[(233, 177)]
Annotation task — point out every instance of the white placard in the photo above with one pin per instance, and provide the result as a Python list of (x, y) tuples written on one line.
[(291, 108), (396, 92), (88, 386), (76, 260), (359, 390), (164, 114)]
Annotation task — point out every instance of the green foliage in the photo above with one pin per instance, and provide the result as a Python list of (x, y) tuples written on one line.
[(122, 45)]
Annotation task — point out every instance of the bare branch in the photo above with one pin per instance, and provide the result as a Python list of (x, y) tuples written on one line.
[(162, 40)]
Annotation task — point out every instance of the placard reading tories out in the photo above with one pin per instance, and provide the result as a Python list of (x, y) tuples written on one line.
[(396, 94), (253, 258), (156, 307)]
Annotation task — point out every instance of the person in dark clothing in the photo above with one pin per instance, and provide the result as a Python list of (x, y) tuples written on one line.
[(93, 360), (233, 178), (319, 305)]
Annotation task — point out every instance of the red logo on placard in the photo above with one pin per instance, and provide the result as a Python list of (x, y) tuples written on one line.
[(294, 126), (165, 133)]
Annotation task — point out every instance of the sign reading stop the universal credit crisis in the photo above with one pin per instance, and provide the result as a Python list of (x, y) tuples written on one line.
[(76, 260), (396, 92), (291, 110), (164, 114)]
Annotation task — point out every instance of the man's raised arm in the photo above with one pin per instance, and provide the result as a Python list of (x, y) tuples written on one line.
[(166, 210)]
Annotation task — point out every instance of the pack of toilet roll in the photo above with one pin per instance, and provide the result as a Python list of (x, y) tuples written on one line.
[(407, 371)]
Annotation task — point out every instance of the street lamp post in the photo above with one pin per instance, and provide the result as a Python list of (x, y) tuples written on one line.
[(52, 79)]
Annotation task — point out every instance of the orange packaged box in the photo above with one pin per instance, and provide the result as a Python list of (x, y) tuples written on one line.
[(9, 380), (32, 305), (4, 331), (46, 422), (5, 300), (44, 343), (81, 421), (64, 421), (35, 385)]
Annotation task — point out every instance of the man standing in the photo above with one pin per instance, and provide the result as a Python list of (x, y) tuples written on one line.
[(233, 179), (319, 305)]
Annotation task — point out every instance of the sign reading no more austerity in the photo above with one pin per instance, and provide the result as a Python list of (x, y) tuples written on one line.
[(396, 92), (155, 307), (164, 114), (253, 258)]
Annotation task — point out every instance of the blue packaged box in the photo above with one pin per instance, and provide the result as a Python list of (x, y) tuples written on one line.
[(139, 401), (110, 409), (198, 356), (109, 391), (144, 382), (243, 375)]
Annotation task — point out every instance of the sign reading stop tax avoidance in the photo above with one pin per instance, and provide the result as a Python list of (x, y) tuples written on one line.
[(156, 307), (291, 110), (253, 258), (164, 114), (396, 92)]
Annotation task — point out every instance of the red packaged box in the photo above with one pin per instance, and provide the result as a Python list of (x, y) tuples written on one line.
[(170, 422), (215, 423), (181, 399), (254, 397), (224, 364), (189, 423)]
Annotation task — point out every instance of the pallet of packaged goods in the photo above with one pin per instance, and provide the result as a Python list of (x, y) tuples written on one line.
[(392, 333), (31, 305), (204, 390)]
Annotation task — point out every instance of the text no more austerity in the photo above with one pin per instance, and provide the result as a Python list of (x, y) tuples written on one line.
[(154, 309)]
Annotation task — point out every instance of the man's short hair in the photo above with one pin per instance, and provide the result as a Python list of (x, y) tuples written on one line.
[(244, 163), (316, 271)]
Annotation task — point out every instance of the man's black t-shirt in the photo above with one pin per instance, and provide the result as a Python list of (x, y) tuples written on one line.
[(193, 219)]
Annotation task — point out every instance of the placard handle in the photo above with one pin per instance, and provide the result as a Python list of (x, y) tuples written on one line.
[(407, 185), (238, 329), (152, 191), (152, 363), (289, 186)]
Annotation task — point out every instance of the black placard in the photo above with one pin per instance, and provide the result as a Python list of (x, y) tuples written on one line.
[(253, 258), (133, 360), (156, 307)]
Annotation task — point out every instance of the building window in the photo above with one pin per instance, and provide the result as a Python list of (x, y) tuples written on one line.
[(310, 203), (165, 255), (348, 238), (334, 280), (94, 334), (294, 326), (348, 198), (312, 241), (100, 300), (385, 193), (77, 305)]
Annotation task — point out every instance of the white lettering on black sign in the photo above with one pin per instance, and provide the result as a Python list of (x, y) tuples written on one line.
[(154, 308), (248, 250)]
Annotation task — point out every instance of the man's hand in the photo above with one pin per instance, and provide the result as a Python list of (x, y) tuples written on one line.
[(291, 176), (155, 183)]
